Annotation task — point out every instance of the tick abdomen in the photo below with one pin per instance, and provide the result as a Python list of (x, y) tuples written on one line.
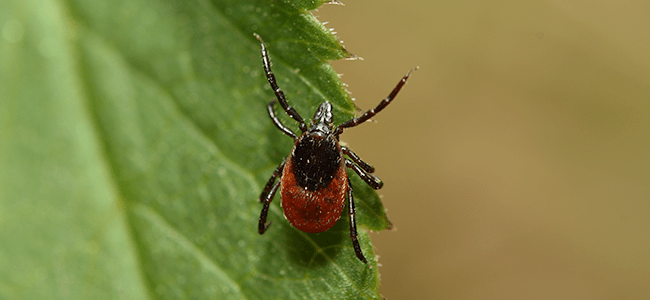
[(313, 187)]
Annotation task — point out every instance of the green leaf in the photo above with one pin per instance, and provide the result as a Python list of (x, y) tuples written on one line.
[(134, 143)]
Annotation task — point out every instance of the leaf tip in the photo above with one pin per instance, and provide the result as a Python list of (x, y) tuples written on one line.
[(336, 2), (351, 56)]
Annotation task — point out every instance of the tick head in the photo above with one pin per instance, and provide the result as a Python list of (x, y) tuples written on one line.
[(321, 124)]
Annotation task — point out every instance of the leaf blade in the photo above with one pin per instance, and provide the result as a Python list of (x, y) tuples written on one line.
[(185, 169)]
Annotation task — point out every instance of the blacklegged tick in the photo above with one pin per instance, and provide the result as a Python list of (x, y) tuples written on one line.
[(313, 178)]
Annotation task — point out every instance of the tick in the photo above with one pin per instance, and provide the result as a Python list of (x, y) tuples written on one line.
[(313, 180)]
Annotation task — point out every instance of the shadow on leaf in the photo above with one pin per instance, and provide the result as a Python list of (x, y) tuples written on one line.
[(316, 249)]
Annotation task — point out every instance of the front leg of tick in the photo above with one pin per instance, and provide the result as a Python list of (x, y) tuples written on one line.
[(372, 112), (266, 61)]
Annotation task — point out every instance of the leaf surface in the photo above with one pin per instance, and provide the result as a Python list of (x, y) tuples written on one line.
[(135, 143)]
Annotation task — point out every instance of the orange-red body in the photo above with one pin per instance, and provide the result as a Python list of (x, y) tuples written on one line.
[(313, 211)]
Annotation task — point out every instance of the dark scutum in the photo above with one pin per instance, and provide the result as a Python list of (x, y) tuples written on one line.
[(316, 160)]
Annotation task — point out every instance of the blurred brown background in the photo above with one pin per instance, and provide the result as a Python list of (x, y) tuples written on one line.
[(516, 161)]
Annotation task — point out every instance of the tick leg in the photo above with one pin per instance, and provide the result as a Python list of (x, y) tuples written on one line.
[(370, 179), (357, 160), (369, 114), (277, 122), (353, 225), (267, 196), (262, 227), (278, 93), (269, 184)]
